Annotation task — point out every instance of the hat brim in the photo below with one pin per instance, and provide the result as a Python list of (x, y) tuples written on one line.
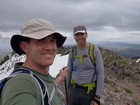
[(81, 31), (16, 39)]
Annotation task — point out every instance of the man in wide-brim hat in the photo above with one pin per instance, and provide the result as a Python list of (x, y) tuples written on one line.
[(39, 42)]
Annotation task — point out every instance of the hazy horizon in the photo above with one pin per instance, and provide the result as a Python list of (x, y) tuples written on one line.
[(5, 47)]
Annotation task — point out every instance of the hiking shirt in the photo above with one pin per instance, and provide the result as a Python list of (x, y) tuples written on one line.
[(86, 72), (24, 90)]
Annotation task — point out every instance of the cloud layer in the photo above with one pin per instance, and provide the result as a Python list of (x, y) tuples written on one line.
[(116, 20)]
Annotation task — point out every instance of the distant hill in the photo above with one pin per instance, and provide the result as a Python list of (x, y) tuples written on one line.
[(128, 50), (4, 47)]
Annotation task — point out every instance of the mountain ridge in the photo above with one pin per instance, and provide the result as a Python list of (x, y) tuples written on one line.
[(128, 50), (122, 77)]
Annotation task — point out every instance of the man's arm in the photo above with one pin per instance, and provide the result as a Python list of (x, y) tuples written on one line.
[(99, 71)]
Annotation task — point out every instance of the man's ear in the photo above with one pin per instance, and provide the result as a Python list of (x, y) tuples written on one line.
[(86, 35), (23, 46)]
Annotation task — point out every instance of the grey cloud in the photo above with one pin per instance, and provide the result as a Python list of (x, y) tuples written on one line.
[(65, 14)]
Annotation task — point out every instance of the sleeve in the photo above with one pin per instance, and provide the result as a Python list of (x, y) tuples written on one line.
[(19, 91), (99, 71)]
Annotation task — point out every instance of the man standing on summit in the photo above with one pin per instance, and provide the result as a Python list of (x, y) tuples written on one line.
[(39, 42), (85, 78)]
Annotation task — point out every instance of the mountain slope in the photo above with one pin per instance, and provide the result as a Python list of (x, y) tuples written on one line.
[(122, 80), (122, 77)]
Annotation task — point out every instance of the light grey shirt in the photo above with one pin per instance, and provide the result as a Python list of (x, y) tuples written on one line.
[(86, 72)]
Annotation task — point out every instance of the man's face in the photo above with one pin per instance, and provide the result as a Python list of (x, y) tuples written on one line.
[(80, 38), (41, 53)]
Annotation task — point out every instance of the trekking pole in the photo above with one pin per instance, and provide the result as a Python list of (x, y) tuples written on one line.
[(66, 91), (65, 85)]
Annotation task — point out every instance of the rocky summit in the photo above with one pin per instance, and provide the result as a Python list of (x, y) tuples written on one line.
[(122, 78)]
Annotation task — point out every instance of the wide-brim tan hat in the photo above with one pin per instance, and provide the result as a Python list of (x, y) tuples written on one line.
[(36, 28)]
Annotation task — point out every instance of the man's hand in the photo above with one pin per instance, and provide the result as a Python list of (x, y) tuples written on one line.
[(96, 101), (61, 76)]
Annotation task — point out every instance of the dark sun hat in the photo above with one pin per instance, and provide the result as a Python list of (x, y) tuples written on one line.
[(36, 28)]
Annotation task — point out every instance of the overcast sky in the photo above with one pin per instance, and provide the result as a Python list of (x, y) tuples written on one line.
[(105, 20)]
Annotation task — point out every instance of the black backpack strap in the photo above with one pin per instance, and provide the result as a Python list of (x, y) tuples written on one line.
[(41, 84), (45, 98), (74, 52)]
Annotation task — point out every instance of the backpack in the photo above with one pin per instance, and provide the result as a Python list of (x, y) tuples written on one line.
[(90, 55), (42, 86)]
